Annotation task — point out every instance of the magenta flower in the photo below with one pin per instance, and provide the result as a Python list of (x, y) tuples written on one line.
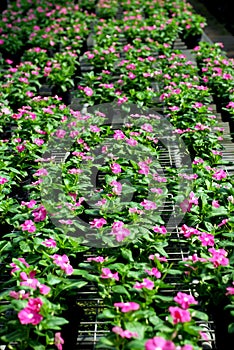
[(118, 135), (29, 226), (98, 259), (29, 204), (88, 91), (124, 333), (219, 174), (131, 142), (58, 341), (154, 272), (158, 343), (94, 128), (147, 284), (147, 127), (207, 239), (179, 315), (39, 214), (41, 172), (127, 307), (117, 187), (50, 243), (218, 257), (119, 231), (98, 223), (185, 300), (148, 205), (15, 267), (28, 315), (215, 204), (3, 180), (19, 295), (28, 280), (160, 229), (35, 304), (187, 347), (106, 273), (63, 262), (144, 168), (230, 290), (188, 231), (158, 257), (115, 168)]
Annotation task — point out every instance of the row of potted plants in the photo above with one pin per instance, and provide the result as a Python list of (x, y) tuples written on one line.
[(49, 220)]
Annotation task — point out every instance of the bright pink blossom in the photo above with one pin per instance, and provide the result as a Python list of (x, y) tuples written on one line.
[(160, 229), (50, 243), (158, 343), (39, 214), (127, 307), (28, 315), (106, 273), (147, 284), (119, 231), (148, 205), (115, 168), (179, 315), (218, 257), (124, 333), (98, 223), (185, 300), (63, 262), (154, 272), (29, 226)]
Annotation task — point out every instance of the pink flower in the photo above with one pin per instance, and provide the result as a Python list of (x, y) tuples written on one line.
[(28, 315), (58, 341), (39, 214), (187, 347), (117, 187), (154, 272), (147, 284), (157, 257), (215, 204), (131, 142), (115, 168), (35, 304), (219, 174), (207, 239), (63, 262), (147, 127), (98, 259), (188, 231), (16, 268), (218, 257), (158, 343), (124, 333), (179, 315), (185, 300), (43, 288), (41, 172), (148, 205), (50, 243), (19, 295), (20, 148), (119, 231), (29, 226), (106, 273), (98, 223), (29, 280), (223, 222), (3, 180), (144, 168), (29, 204), (160, 229), (193, 199), (118, 135), (127, 307), (94, 128), (230, 290), (88, 91), (38, 142)]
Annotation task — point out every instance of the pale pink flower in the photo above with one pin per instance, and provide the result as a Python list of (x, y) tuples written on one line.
[(58, 341), (157, 257), (116, 187), (215, 204), (19, 295), (119, 231), (131, 142), (124, 333), (147, 127)]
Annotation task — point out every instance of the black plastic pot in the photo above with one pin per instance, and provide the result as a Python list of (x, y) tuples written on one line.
[(73, 315), (65, 95), (192, 40), (222, 318)]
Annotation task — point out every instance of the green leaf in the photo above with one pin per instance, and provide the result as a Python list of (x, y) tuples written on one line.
[(200, 315), (127, 254), (52, 280), (120, 290), (53, 323), (107, 314)]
